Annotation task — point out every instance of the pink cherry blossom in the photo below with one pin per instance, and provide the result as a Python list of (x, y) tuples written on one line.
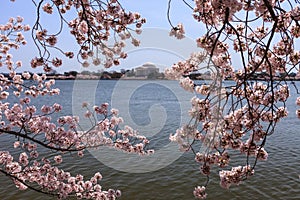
[(199, 192)]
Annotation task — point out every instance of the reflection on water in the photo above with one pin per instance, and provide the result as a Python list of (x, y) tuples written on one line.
[(276, 178)]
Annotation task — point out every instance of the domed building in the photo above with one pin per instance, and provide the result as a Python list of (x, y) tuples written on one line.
[(146, 69)]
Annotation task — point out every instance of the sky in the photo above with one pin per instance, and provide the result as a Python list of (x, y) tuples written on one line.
[(160, 49), (156, 45)]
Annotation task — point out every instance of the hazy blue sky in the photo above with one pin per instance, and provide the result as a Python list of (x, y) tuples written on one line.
[(155, 11), (156, 46)]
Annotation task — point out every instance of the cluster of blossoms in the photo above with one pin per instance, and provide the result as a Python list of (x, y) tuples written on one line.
[(199, 192), (178, 31), (92, 29), (34, 127), (11, 37), (235, 175), (241, 115), (183, 68), (298, 104), (106, 132), (36, 130), (49, 177), (213, 12)]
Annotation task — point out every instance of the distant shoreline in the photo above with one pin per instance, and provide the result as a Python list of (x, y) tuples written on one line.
[(124, 77), (145, 78)]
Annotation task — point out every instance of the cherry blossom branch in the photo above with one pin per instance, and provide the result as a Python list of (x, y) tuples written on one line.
[(27, 185), (34, 129), (250, 108)]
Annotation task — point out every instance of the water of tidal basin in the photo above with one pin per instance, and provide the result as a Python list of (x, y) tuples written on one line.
[(276, 178)]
